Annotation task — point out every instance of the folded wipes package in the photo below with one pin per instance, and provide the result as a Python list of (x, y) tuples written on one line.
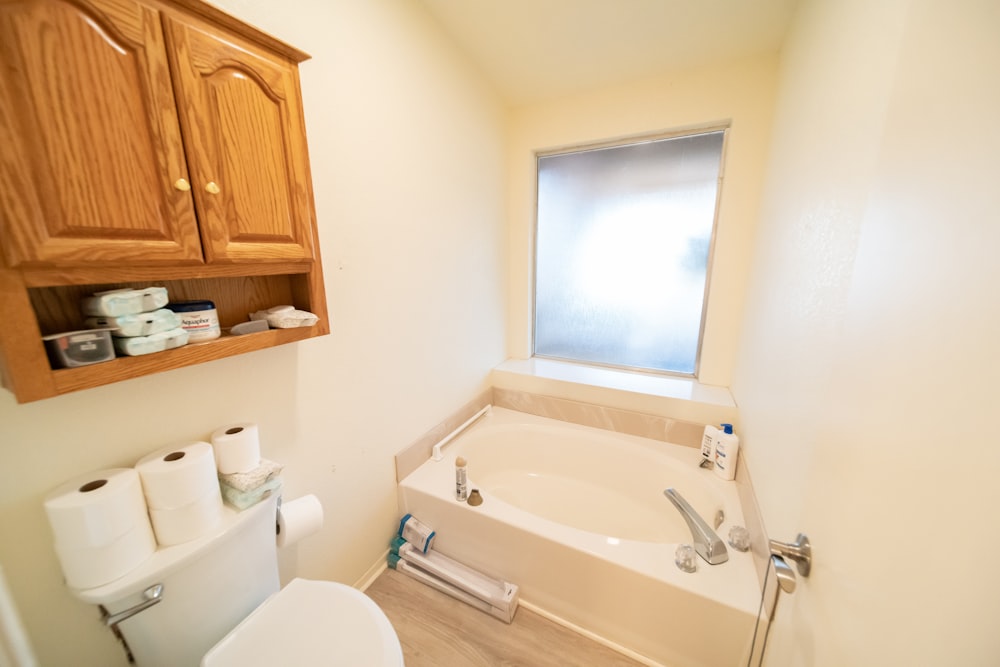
[(248, 481), (113, 303), (139, 345), (285, 317), (241, 499), (137, 324)]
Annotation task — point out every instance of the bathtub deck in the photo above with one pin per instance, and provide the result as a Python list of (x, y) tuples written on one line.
[(437, 630)]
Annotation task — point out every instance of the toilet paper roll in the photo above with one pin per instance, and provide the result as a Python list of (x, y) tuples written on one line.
[(299, 518), (90, 567), (175, 477), (183, 524), (95, 509), (237, 448)]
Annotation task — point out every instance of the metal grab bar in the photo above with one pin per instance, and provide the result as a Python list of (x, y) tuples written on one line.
[(707, 543), (799, 551), (436, 451)]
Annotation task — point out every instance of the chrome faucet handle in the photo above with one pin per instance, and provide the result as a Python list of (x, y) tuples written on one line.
[(684, 558), (739, 538)]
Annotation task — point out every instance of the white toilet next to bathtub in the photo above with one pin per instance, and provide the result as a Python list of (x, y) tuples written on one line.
[(219, 604)]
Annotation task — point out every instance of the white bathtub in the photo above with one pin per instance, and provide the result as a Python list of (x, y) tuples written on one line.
[(576, 517)]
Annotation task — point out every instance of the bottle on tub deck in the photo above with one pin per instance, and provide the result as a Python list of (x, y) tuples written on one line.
[(708, 441), (727, 450), (461, 480)]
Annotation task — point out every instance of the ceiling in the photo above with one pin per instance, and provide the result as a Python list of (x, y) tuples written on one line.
[(537, 49)]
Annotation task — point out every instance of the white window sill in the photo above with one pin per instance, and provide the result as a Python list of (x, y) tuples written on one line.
[(674, 397)]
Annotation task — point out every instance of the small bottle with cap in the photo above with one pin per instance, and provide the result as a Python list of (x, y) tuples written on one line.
[(727, 449), (461, 480)]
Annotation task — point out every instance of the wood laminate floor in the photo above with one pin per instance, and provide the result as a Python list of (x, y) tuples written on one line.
[(439, 631)]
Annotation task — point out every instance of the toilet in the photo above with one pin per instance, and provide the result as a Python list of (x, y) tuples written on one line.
[(215, 602), (344, 627)]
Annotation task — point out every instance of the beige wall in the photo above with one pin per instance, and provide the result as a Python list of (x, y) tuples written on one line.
[(867, 370), (867, 354), (407, 153), (740, 93)]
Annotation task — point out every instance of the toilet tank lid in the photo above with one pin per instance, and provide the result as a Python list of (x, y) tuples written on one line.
[(166, 560), (307, 619)]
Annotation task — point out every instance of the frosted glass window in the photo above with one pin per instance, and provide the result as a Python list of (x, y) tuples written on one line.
[(622, 252)]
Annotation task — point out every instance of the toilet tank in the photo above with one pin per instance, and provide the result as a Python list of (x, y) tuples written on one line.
[(209, 586)]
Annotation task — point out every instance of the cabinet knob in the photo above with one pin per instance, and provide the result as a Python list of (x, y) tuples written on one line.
[(182, 185), (212, 188)]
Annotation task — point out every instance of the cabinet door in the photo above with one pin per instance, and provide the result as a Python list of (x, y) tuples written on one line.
[(245, 140), (91, 144)]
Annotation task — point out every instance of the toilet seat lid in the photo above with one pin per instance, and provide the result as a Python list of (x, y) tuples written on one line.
[(311, 622)]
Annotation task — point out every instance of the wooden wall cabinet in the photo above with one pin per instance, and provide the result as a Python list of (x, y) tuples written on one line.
[(147, 142)]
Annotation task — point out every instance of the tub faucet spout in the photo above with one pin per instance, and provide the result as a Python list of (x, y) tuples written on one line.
[(707, 543)]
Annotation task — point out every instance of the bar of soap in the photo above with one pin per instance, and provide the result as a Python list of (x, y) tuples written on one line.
[(249, 327)]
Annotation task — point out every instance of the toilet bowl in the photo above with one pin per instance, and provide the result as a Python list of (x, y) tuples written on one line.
[(311, 622)]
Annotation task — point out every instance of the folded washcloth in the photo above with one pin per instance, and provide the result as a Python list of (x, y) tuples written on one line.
[(244, 499), (248, 481)]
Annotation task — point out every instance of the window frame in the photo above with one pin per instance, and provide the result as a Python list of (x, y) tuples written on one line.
[(628, 141)]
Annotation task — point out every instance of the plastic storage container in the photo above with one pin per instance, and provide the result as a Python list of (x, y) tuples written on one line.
[(79, 348)]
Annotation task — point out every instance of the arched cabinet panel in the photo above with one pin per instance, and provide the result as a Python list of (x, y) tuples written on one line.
[(245, 139), (92, 144)]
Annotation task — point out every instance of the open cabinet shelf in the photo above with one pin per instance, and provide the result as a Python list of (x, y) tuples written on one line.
[(54, 309)]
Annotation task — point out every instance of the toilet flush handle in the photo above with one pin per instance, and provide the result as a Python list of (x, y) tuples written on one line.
[(150, 596)]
